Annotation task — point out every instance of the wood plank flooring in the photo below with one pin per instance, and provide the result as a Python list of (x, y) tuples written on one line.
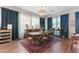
[(62, 46)]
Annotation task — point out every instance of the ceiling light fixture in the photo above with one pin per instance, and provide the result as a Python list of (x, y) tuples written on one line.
[(41, 12)]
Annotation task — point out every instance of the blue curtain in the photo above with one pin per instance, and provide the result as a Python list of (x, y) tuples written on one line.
[(4, 18), (42, 23), (15, 24), (64, 25), (77, 22), (10, 17), (49, 23)]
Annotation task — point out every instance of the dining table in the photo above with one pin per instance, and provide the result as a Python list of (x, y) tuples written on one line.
[(37, 37), (75, 36), (35, 33)]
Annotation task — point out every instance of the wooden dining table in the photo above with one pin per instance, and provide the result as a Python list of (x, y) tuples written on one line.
[(37, 37), (76, 36), (35, 33)]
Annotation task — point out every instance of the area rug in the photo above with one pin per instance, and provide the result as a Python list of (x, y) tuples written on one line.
[(40, 49)]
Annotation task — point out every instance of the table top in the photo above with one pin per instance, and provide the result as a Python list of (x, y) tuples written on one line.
[(35, 33), (76, 35), (32, 30)]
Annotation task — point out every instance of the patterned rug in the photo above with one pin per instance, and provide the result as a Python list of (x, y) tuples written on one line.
[(40, 49)]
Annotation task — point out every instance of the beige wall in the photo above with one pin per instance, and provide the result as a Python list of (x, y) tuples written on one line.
[(71, 24)]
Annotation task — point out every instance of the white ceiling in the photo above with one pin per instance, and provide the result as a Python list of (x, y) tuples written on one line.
[(49, 9)]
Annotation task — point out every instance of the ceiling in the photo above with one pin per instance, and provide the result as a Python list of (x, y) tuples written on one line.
[(49, 9)]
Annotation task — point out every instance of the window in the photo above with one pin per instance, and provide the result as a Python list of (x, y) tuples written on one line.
[(58, 22), (54, 22), (56, 25)]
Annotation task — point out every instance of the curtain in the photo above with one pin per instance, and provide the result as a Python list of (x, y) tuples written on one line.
[(77, 22), (42, 23), (10, 17), (64, 25), (15, 24), (49, 23), (4, 15)]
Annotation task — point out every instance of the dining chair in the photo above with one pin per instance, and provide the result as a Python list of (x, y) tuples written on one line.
[(74, 41), (45, 37), (29, 39)]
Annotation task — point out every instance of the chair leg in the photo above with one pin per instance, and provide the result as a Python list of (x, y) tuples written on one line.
[(45, 41), (71, 47)]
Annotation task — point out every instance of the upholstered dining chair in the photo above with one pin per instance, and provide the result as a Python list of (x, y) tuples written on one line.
[(75, 41), (45, 37), (29, 40)]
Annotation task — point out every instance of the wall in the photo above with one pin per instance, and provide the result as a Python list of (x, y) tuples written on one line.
[(71, 24)]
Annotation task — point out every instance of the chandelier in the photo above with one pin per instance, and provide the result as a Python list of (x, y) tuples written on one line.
[(41, 12)]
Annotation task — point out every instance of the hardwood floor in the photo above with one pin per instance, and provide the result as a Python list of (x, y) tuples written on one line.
[(59, 47), (62, 46), (12, 47)]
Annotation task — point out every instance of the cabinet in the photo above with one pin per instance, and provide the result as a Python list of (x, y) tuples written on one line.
[(5, 35)]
